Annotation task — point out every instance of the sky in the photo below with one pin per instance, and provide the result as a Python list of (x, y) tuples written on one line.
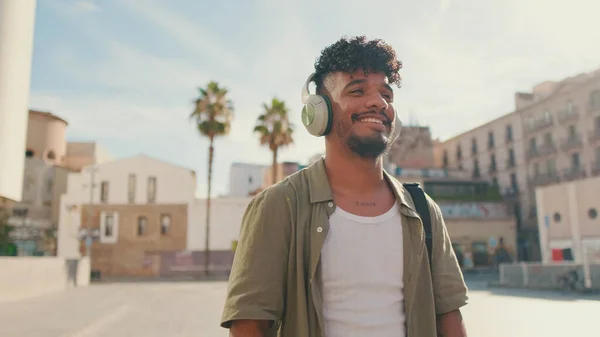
[(124, 73)]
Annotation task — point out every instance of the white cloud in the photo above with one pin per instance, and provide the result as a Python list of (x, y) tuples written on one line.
[(188, 34)]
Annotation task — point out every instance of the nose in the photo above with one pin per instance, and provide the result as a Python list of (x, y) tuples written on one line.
[(377, 102)]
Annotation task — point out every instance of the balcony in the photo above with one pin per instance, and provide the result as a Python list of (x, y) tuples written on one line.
[(595, 135), (542, 151), (595, 167), (544, 179), (568, 115), (571, 143), (574, 173), (539, 125)]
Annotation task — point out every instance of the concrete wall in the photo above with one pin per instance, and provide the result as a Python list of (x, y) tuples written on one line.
[(539, 276), (27, 277)]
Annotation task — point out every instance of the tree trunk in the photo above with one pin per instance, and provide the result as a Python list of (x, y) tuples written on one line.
[(274, 166), (211, 150)]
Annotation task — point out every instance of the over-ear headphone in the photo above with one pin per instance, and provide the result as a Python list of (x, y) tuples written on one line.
[(317, 114)]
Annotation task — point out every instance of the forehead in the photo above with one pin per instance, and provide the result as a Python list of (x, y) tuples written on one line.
[(341, 79)]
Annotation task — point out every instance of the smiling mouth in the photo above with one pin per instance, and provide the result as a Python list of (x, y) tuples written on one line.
[(371, 120)]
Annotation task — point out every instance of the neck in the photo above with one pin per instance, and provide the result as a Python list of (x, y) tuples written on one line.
[(352, 173)]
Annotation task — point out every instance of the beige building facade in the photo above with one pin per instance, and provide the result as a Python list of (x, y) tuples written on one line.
[(553, 135)]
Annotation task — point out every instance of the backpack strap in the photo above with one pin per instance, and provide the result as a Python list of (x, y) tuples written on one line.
[(422, 205)]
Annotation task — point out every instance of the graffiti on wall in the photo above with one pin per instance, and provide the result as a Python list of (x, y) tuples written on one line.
[(487, 210)]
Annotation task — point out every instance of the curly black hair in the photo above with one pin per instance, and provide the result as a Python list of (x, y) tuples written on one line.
[(351, 54)]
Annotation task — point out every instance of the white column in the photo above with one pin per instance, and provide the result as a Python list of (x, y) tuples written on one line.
[(17, 21), (542, 227), (578, 251)]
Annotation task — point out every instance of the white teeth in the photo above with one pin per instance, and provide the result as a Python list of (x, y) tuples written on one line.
[(371, 120)]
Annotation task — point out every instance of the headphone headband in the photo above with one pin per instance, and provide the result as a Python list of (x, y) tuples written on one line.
[(305, 91)]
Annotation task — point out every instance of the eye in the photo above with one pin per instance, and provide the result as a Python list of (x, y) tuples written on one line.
[(357, 91)]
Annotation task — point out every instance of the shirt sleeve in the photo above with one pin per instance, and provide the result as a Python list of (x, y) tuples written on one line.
[(449, 288), (256, 287)]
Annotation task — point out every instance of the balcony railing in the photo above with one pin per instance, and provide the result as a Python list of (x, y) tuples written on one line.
[(544, 150), (543, 179), (595, 135), (568, 115), (539, 125), (574, 173), (571, 143)]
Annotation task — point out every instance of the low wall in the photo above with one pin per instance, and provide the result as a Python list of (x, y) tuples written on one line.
[(543, 276), (26, 277)]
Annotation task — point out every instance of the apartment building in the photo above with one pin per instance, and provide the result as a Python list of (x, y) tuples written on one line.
[(553, 135)]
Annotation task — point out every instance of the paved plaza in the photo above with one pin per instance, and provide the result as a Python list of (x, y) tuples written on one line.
[(193, 309)]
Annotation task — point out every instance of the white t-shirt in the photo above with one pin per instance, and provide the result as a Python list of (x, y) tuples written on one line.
[(362, 273)]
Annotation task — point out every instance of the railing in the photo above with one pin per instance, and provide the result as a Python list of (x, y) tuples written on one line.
[(571, 142), (544, 179), (544, 150), (539, 125), (574, 173), (567, 115)]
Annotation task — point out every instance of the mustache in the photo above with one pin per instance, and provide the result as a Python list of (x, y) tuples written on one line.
[(386, 120)]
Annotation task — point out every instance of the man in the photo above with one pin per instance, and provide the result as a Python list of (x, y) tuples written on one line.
[(338, 248)]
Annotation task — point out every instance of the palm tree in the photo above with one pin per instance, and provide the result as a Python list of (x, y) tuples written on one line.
[(212, 114), (275, 129)]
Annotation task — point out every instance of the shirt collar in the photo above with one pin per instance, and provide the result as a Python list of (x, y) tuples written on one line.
[(320, 191)]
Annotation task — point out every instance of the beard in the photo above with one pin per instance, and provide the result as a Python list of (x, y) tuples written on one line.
[(369, 147)]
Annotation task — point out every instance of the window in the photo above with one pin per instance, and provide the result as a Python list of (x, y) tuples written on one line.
[(165, 223), (547, 139), (551, 167), (493, 162), (597, 123), (104, 192), (570, 107), (511, 157), (458, 153), (476, 173), (29, 153), (491, 140), (575, 161), (495, 181), (151, 189), (474, 146), (533, 143), (509, 133), (131, 188), (51, 155), (109, 225), (445, 159), (536, 169), (572, 131), (142, 226), (557, 217), (513, 181), (593, 213)]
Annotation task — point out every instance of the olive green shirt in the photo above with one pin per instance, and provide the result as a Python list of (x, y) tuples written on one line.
[(275, 273)]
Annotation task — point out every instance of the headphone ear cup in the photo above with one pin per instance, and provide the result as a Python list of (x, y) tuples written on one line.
[(316, 115)]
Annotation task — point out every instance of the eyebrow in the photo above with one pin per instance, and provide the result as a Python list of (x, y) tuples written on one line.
[(362, 80)]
